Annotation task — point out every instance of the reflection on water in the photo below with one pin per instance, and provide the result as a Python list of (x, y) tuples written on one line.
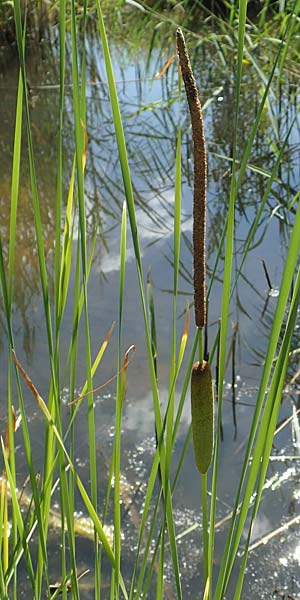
[(151, 111)]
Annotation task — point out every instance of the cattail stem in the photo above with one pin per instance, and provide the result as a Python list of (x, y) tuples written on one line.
[(200, 346), (204, 524), (200, 168)]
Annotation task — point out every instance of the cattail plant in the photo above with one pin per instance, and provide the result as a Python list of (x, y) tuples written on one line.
[(201, 384)]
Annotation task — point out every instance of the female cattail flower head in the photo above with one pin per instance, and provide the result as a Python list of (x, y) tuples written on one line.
[(202, 398)]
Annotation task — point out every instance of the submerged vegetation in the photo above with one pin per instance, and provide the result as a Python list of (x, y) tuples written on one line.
[(252, 184)]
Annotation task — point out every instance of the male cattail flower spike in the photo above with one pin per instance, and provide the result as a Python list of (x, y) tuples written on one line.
[(199, 226)]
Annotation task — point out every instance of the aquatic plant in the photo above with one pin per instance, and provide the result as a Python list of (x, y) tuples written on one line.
[(156, 520)]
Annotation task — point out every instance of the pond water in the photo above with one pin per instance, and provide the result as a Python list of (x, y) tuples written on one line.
[(151, 111)]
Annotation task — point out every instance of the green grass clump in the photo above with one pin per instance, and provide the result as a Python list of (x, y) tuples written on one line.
[(155, 521)]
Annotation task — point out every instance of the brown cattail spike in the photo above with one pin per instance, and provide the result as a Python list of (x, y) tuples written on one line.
[(200, 168), (202, 398)]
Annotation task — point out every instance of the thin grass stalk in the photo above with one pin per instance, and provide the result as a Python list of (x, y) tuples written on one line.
[(4, 524), (282, 364), (19, 520), (169, 446), (88, 503), (70, 429), (66, 508), (119, 403), (27, 445), (42, 265), (70, 425), (156, 459), (59, 181), (168, 422), (226, 290), (37, 215), (176, 247), (135, 589), (152, 322), (151, 569), (62, 281), (149, 494), (270, 100), (2, 582), (79, 115), (130, 204), (19, 551), (109, 486), (176, 251), (241, 575), (21, 405), (172, 377), (63, 566), (112, 589), (15, 182), (80, 174), (252, 233), (78, 306), (71, 481), (266, 431), (77, 402), (293, 20), (255, 126), (66, 254), (282, 301), (11, 417), (11, 264), (132, 219), (155, 466), (67, 517), (160, 573), (29, 525), (49, 450), (266, 446), (140, 586), (57, 270), (15, 190), (270, 182), (245, 159), (186, 382)]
